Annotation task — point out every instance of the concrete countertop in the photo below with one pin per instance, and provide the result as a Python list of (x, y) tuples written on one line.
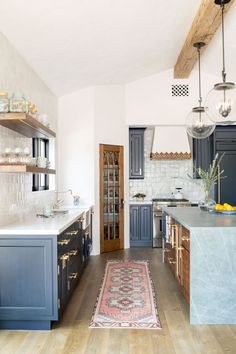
[(192, 217), (33, 225)]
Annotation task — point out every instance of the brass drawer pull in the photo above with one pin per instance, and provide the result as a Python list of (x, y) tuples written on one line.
[(63, 242), (72, 233), (73, 276), (73, 253)]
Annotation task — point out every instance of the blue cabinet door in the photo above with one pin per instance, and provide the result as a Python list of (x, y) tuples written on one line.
[(134, 224), (202, 154), (27, 290), (146, 225), (136, 153), (141, 225)]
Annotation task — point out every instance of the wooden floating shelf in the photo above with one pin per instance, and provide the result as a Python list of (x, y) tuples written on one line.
[(26, 125), (25, 169)]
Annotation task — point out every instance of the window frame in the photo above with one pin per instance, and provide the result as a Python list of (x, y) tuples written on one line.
[(37, 177)]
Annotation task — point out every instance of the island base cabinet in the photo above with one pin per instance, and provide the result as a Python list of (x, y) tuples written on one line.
[(27, 289)]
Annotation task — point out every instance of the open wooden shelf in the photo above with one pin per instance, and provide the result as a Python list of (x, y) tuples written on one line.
[(26, 125), (25, 169)]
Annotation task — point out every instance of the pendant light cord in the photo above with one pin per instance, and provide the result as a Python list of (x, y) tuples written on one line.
[(223, 40), (199, 77)]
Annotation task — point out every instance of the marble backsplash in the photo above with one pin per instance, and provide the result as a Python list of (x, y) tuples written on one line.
[(162, 177)]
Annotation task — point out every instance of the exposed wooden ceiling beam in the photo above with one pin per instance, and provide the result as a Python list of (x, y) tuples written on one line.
[(204, 26)]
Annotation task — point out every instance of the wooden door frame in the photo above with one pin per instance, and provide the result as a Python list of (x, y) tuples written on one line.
[(120, 149)]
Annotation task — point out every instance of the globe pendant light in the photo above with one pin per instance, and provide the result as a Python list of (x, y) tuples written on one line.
[(220, 101), (198, 123)]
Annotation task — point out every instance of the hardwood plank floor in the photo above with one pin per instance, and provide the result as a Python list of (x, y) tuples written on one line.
[(72, 335)]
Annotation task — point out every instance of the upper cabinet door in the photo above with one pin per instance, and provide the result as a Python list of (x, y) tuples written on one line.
[(136, 153), (202, 154)]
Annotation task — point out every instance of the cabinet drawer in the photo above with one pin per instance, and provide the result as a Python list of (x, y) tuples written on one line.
[(228, 145), (225, 133)]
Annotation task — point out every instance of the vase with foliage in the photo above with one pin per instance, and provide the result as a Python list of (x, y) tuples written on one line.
[(209, 178)]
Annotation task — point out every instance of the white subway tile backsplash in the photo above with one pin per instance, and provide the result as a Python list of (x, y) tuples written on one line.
[(162, 177)]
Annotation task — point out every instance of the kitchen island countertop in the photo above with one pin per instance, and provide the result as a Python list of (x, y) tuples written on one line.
[(192, 217)]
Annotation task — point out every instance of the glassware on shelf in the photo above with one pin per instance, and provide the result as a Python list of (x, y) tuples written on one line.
[(18, 103), (4, 102)]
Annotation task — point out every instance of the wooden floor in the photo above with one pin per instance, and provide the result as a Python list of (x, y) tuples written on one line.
[(72, 334)]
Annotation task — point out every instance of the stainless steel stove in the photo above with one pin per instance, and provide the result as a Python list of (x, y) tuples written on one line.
[(158, 203)]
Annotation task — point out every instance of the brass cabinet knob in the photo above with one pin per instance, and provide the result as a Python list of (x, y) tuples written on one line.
[(183, 238), (65, 257), (171, 261)]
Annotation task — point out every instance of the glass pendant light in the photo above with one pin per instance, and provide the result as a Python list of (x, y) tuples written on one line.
[(198, 123), (220, 101)]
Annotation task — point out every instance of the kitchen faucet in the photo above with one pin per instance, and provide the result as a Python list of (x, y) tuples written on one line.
[(60, 201)]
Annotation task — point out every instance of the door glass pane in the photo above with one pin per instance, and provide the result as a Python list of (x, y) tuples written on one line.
[(111, 195)]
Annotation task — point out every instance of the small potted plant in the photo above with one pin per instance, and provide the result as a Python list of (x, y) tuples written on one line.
[(139, 196)]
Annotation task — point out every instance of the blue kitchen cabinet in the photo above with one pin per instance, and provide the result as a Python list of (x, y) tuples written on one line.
[(37, 277), (141, 226), (136, 153), (28, 282)]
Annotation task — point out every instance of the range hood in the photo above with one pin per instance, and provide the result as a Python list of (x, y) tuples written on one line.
[(170, 143)]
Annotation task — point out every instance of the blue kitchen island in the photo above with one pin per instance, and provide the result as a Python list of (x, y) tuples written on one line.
[(212, 262)]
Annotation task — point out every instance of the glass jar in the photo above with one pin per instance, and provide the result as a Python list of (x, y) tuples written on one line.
[(18, 103), (4, 102)]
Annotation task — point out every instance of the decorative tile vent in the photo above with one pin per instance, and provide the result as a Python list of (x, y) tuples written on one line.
[(170, 156), (180, 90)]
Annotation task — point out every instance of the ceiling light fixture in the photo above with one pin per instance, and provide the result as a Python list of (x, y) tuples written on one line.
[(198, 123), (220, 101)]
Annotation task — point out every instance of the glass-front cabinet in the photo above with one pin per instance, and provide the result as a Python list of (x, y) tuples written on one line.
[(111, 198)]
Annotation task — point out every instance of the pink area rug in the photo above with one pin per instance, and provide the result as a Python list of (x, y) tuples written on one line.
[(126, 298)]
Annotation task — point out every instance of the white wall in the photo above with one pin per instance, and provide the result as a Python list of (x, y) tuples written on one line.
[(76, 145), (110, 128), (88, 118), (16, 196), (149, 101)]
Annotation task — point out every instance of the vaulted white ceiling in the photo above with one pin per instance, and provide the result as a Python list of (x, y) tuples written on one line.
[(72, 44)]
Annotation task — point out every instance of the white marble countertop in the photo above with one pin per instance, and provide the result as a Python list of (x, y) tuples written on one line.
[(33, 225)]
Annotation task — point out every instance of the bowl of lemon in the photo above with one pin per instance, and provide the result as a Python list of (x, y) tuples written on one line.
[(225, 209)]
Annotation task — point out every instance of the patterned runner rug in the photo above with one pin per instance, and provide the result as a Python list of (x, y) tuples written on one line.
[(126, 298)]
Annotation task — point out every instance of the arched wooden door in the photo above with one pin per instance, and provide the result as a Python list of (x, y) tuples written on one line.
[(111, 198)]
